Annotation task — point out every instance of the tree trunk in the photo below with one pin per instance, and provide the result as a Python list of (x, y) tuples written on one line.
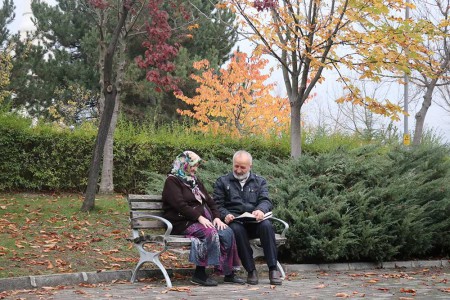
[(107, 177), (296, 130), (107, 181), (420, 115), (110, 92), (105, 121)]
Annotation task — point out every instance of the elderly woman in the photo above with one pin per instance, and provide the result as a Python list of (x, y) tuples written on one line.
[(193, 213)]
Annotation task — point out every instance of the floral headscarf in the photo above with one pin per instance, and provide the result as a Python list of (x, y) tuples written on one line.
[(179, 169)]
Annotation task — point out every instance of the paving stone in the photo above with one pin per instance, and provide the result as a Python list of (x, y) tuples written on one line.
[(308, 283)]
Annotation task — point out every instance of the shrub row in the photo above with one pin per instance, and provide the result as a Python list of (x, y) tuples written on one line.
[(50, 158)]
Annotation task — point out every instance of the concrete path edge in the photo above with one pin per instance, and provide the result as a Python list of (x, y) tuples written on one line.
[(30, 282)]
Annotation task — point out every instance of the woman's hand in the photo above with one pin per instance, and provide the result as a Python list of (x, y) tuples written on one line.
[(229, 218), (205, 222), (219, 224)]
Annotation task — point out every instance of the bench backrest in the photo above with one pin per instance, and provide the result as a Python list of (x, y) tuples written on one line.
[(141, 205)]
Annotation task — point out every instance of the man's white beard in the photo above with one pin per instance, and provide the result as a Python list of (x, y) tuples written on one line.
[(241, 177)]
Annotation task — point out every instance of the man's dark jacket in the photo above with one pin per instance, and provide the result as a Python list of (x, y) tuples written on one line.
[(232, 198)]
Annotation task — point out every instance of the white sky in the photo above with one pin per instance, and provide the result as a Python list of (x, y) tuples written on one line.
[(436, 119)]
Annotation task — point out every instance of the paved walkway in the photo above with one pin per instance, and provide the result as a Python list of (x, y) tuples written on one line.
[(398, 283)]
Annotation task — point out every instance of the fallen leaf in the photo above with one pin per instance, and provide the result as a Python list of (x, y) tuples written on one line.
[(411, 291), (320, 286), (19, 245), (89, 285), (342, 295), (181, 289), (49, 265)]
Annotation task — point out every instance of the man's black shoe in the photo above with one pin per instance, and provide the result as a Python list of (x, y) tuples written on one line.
[(274, 277), (252, 277), (233, 278), (207, 282)]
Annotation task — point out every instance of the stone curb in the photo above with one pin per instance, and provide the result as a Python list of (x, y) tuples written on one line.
[(30, 282)]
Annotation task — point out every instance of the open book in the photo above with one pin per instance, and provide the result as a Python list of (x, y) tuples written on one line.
[(248, 217)]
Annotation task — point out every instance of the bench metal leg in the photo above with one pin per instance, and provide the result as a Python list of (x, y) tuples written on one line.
[(153, 257), (157, 262), (138, 266), (280, 268)]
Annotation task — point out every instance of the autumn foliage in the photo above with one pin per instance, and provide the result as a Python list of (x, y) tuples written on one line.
[(236, 99), (159, 51)]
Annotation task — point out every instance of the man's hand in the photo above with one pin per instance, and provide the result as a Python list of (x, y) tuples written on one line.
[(219, 224), (229, 218), (258, 214)]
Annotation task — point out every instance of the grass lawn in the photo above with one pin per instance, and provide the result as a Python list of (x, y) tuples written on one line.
[(47, 234)]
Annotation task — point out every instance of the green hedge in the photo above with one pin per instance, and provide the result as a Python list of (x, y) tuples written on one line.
[(50, 158)]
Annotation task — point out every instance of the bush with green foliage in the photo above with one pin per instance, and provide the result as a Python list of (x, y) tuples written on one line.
[(372, 203)]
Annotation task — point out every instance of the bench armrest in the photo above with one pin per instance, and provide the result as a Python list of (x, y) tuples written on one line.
[(285, 224), (165, 221)]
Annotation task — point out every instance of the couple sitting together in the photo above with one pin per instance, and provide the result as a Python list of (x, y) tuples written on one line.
[(217, 238)]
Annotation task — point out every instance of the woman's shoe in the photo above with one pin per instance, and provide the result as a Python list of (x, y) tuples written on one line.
[(207, 282)]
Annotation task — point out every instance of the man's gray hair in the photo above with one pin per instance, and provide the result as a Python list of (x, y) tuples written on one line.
[(245, 153)]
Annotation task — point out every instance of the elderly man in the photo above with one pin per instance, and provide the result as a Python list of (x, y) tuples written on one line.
[(243, 191)]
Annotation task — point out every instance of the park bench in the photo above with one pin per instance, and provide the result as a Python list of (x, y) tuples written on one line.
[(148, 227)]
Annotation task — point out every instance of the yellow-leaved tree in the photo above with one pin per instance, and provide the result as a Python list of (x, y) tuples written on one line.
[(311, 37), (236, 99)]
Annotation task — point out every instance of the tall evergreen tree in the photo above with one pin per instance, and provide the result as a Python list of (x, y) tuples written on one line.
[(6, 18), (57, 55), (7, 15)]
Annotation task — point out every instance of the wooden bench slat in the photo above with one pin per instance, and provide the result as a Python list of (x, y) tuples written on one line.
[(140, 213), (134, 197), (279, 240), (178, 241), (143, 224), (145, 205)]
